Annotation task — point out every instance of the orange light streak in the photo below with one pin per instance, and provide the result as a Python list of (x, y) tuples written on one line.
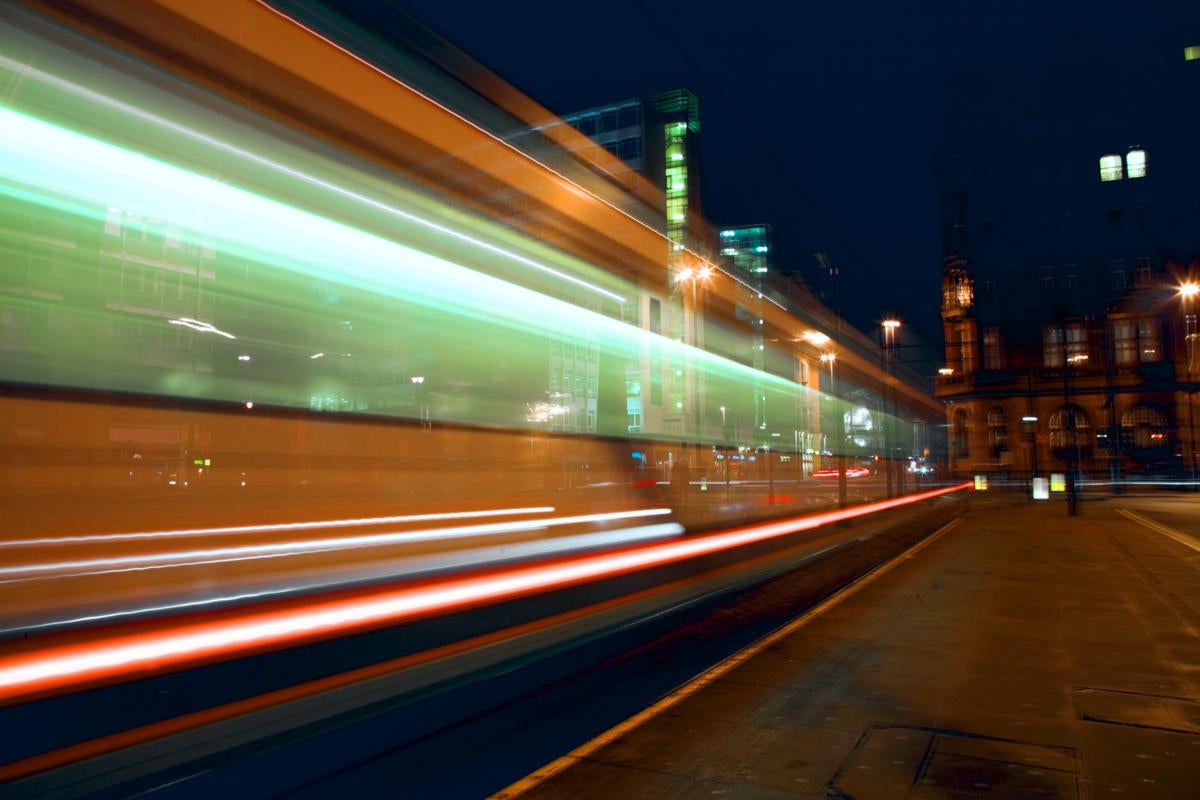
[(62, 668)]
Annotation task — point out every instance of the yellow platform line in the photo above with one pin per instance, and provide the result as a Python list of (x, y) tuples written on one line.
[(543, 774), (1158, 527)]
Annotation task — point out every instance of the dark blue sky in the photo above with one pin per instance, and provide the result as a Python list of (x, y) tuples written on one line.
[(817, 118)]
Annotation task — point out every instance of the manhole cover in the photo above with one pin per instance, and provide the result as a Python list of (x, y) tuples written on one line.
[(903, 762)]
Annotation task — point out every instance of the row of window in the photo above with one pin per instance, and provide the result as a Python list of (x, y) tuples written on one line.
[(1118, 278), (613, 119), (1114, 167), (628, 149), (1134, 341), (1143, 426)]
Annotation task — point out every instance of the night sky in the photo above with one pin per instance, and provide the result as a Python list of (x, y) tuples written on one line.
[(818, 118)]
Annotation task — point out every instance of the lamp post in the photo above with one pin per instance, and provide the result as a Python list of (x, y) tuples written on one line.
[(693, 277), (892, 480), (837, 427), (1071, 439), (1187, 294)]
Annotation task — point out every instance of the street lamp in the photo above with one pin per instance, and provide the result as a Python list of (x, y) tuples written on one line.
[(693, 277), (1187, 293), (829, 358), (1071, 430), (837, 426), (889, 326)]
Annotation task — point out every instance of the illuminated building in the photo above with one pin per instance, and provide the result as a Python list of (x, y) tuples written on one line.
[(1068, 211), (748, 249), (658, 136)]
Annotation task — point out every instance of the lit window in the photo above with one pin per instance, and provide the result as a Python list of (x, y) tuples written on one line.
[(1145, 426), (1052, 346), (1077, 349), (1150, 339), (1124, 336), (1191, 53), (1069, 427), (1111, 168), (1135, 163)]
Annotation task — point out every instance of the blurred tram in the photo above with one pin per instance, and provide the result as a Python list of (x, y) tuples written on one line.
[(244, 275)]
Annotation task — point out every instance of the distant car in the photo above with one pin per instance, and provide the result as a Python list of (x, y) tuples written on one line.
[(851, 472)]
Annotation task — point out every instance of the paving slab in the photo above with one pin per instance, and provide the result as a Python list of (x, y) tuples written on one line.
[(1023, 653)]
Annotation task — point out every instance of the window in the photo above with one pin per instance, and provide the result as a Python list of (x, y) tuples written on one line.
[(993, 349), (1052, 346), (966, 345), (1111, 167), (1149, 339), (1135, 163), (1145, 426), (959, 443), (1142, 275), (1077, 349), (1191, 53), (1069, 428), (629, 149), (1124, 338), (997, 431), (1118, 279)]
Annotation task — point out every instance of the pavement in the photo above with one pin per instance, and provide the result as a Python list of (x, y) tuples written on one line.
[(1019, 653)]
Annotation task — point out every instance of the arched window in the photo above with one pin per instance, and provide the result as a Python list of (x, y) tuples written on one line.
[(997, 431), (1112, 167), (1069, 427), (1145, 426), (1135, 163)]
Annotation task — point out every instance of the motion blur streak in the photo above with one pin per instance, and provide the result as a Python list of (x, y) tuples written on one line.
[(496, 140), (226, 554), (57, 669), (58, 163), (160, 730), (341, 191), (280, 526), (454, 559)]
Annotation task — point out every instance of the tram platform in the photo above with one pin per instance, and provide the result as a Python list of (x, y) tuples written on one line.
[(1018, 653)]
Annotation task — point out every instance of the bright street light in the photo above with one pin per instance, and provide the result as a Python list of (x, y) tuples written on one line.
[(1188, 291)]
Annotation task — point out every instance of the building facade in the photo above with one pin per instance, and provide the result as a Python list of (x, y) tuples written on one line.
[(659, 137), (1068, 210)]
